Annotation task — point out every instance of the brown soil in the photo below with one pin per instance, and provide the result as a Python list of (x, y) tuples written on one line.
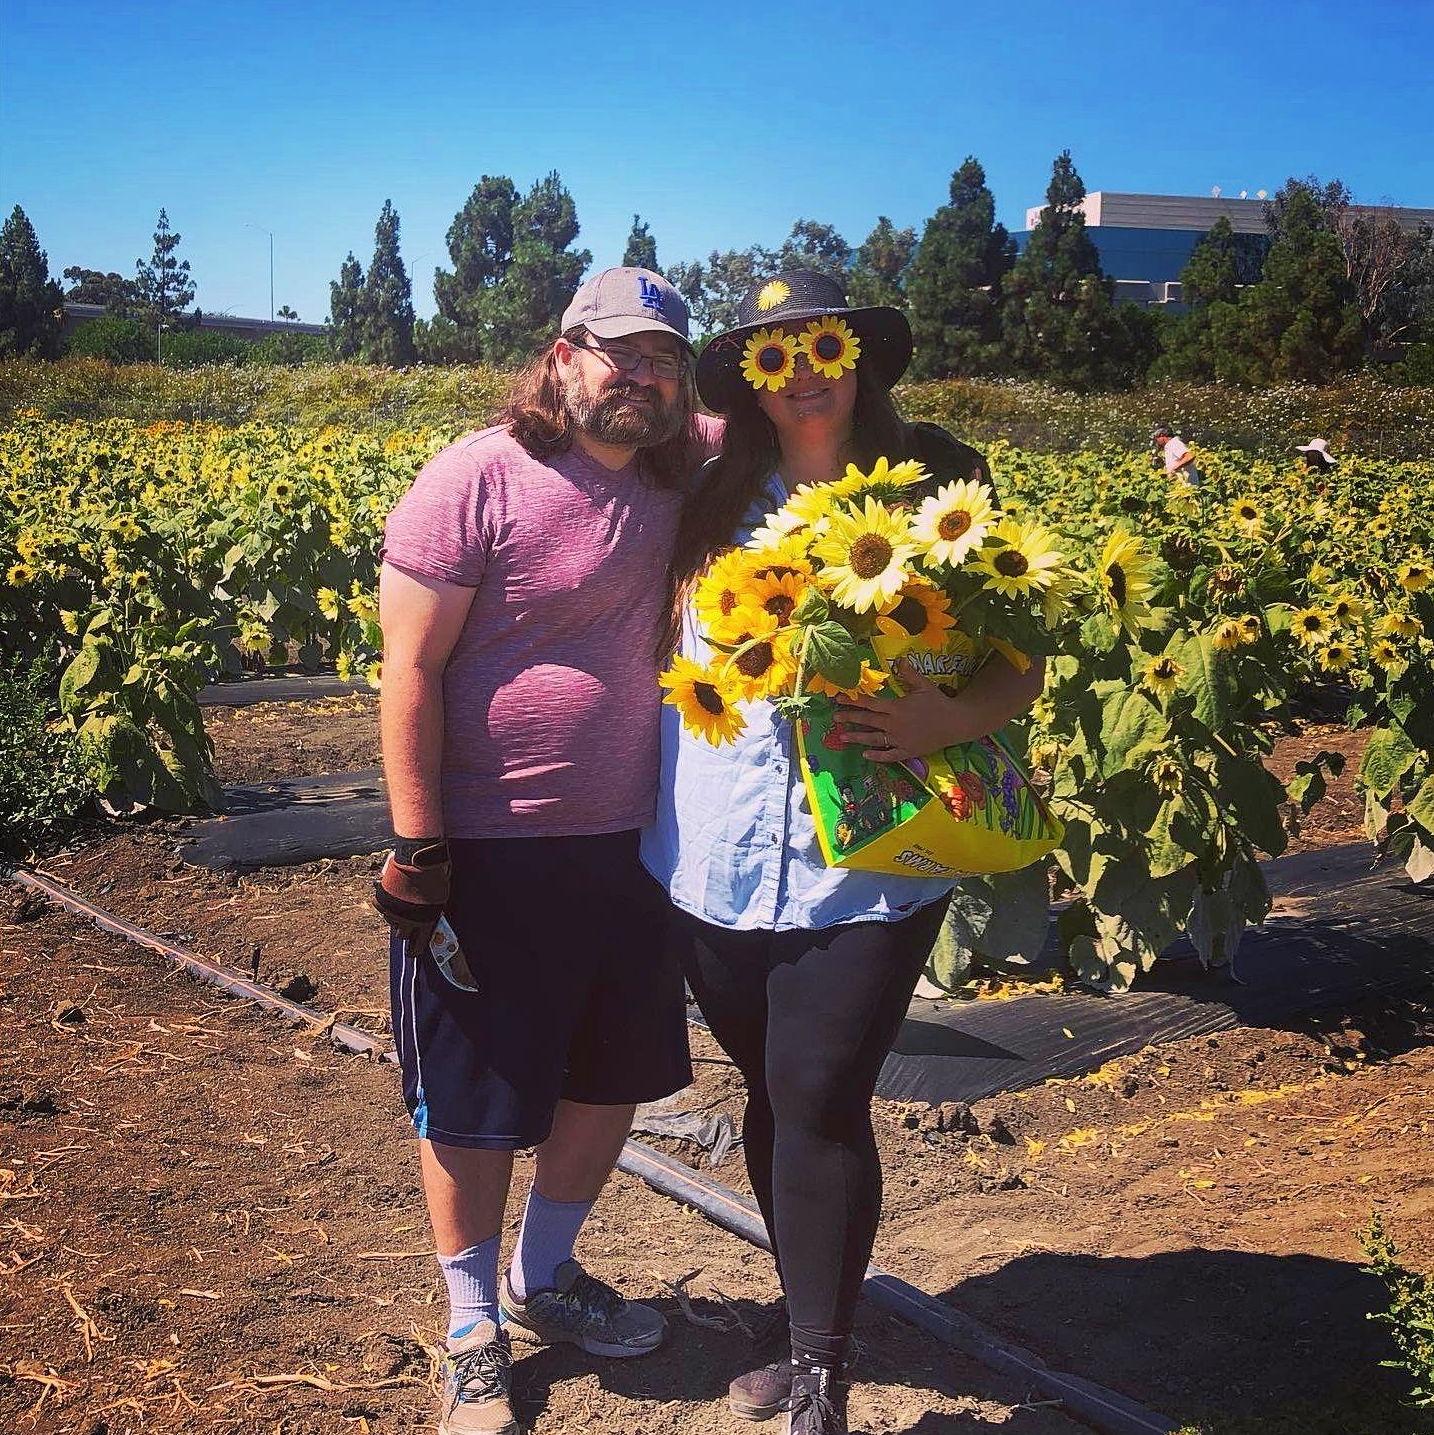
[(213, 1224), (1077, 1217), (1339, 815), (274, 740), (1180, 1225)]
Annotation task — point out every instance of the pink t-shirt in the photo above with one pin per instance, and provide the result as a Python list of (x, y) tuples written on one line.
[(550, 697)]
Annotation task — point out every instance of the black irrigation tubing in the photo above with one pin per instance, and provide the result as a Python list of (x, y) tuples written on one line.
[(1105, 1409), (351, 1038)]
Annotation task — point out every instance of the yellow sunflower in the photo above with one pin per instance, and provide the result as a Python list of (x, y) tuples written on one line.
[(1124, 577), (885, 482), (1347, 610), (1254, 629), (954, 521), (763, 665), (919, 617), (1336, 657), (1399, 625), (872, 681), (1245, 514), (769, 359), (783, 556), (19, 574), (705, 699), (720, 588), (1381, 526), (1389, 657), (1022, 558), (777, 594), (742, 622), (865, 555), (1415, 575), (1162, 676), (1228, 635), (1310, 626), (1056, 597), (830, 346), (774, 292)]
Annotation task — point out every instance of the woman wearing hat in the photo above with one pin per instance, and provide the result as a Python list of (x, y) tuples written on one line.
[(804, 972)]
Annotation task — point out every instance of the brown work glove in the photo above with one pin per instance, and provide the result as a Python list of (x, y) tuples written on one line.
[(412, 889)]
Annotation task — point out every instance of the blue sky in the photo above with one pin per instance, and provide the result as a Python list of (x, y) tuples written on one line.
[(720, 125)]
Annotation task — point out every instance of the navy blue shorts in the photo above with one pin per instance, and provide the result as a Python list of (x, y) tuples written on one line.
[(580, 995)]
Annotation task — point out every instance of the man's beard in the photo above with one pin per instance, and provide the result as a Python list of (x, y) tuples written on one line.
[(618, 415)]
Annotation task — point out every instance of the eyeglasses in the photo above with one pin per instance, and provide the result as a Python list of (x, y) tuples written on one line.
[(628, 360)]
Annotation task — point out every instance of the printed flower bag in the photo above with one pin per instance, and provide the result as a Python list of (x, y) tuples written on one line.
[(968, 809)]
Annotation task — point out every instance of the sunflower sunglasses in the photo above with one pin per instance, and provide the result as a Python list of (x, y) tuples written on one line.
[(769, 357)]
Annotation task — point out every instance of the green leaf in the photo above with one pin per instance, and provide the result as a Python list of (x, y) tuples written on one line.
[(813, 608), (1208, 678), (833, 652), (1254, 795), (1421, 806), (84, 667), (1132, 727), (1388, 756)]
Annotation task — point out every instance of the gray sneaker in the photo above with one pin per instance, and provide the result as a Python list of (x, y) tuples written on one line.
[(585, 1312), (477, 1376)]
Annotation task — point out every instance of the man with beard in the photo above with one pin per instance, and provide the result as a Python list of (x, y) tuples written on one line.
[(521, 596)]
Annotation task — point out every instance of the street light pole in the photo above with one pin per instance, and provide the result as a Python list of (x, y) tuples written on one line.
[(264, 229)]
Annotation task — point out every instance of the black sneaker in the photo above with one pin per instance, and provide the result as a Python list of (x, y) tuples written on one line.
[(761, 1394), (818, 1403)]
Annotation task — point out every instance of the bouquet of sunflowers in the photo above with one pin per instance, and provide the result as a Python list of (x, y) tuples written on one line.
[(842, 581)]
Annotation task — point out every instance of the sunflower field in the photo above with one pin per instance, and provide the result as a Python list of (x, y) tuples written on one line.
[(144, 559), (140, 560)]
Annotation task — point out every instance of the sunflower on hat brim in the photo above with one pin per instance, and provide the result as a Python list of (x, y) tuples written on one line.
[(812, 309)]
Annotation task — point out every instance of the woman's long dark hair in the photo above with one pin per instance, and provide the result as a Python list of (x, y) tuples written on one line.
[(538, 416), (749, 456)]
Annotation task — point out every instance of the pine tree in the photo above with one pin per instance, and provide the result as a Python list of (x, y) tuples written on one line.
[(690, 280), (641, 250), (879, 268), (31, 304), (346, 310), (953, 290), (164, 284), (1301, 321), (480, 246), (524, 308), (386, 312), (1058, 313), (1210, 278)]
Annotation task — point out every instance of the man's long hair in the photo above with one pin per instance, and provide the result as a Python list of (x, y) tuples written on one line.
[(538, 416), (750, 454)]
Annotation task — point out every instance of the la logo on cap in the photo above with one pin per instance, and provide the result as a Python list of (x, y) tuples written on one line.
[(649, 293)]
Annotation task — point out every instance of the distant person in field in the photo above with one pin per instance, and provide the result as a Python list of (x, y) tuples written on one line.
[(521, 596), (1179, 460), (1318, 459)]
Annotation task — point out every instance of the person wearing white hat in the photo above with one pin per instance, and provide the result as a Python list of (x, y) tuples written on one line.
[(1318, 458)]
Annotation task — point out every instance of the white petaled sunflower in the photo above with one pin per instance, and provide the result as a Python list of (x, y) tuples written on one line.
[(864, 556), (954, 521), (1019, 558)]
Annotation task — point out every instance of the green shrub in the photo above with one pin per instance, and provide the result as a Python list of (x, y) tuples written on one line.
[(287, 350), (1410, 1317), (114, 339), (45, 783), (191, 348)]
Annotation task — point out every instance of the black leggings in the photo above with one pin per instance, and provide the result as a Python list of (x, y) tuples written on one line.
[(809, 1017)]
